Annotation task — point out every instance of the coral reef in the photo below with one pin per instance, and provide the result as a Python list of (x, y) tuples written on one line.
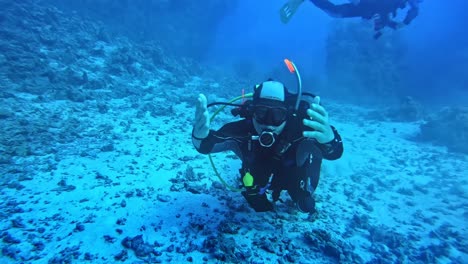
[(448, 127), (181, 26), (359, 68), (62, 56), (407, 110), (52, 57)]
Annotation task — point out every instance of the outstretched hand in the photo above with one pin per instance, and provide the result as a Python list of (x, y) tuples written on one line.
[(318, 121), (201, 125)]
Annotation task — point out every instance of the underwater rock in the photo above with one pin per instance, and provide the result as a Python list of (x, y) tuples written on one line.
[(163, 198), (195, 188), (388, 237), (360, 221), (321, 240), (408, 110), (448, 127), (15, 185), (317, 237), (266, 243), (102, 107), (185, 248), (361, 70), (39, 246), (109, 239), (217, 185), (6, 160), (293, 257), (75, 95), (9, 239), (75, 78), (229, 227), (64, 187), (121, 221), (11, 252), (17, 223), (332, 250), (89, 256), (190, 174), (225, 249), (122, 256), (67, 255), (5, 113), (6, 95), (140, 247), (108, 147), (79, 227)]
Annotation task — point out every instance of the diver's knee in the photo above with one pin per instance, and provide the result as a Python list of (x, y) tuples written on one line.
[(306, 204)]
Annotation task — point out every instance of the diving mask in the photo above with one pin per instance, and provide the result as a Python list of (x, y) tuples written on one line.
[(270, 116)]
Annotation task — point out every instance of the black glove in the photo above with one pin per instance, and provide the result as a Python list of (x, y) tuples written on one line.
[(259, 202)]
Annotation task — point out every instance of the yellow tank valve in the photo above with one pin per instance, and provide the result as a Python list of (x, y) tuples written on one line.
[(248, 180)]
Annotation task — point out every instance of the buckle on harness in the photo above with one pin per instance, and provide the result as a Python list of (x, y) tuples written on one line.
[(267, 186)]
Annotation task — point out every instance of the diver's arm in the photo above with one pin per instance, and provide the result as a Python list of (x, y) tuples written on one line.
[(197, 143), (334, 149), (317, 127), (392, 23), (412, 12), (221, 140), (213, 143), (341, 10)]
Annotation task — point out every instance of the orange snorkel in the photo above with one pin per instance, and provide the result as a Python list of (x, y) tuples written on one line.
[(293, 69)]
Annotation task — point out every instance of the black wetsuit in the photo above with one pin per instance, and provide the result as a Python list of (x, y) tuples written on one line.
[(382, 10), (292, 160)]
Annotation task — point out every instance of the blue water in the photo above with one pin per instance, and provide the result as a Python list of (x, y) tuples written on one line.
[(436, 43)]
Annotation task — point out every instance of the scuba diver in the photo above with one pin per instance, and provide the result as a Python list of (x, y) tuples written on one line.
[(382, 12), (281, 141)]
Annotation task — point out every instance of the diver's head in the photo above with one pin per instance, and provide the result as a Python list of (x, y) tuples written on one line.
[(270, 109)]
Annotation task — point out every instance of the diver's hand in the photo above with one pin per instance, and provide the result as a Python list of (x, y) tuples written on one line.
[(201, 126), (318, 121)]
